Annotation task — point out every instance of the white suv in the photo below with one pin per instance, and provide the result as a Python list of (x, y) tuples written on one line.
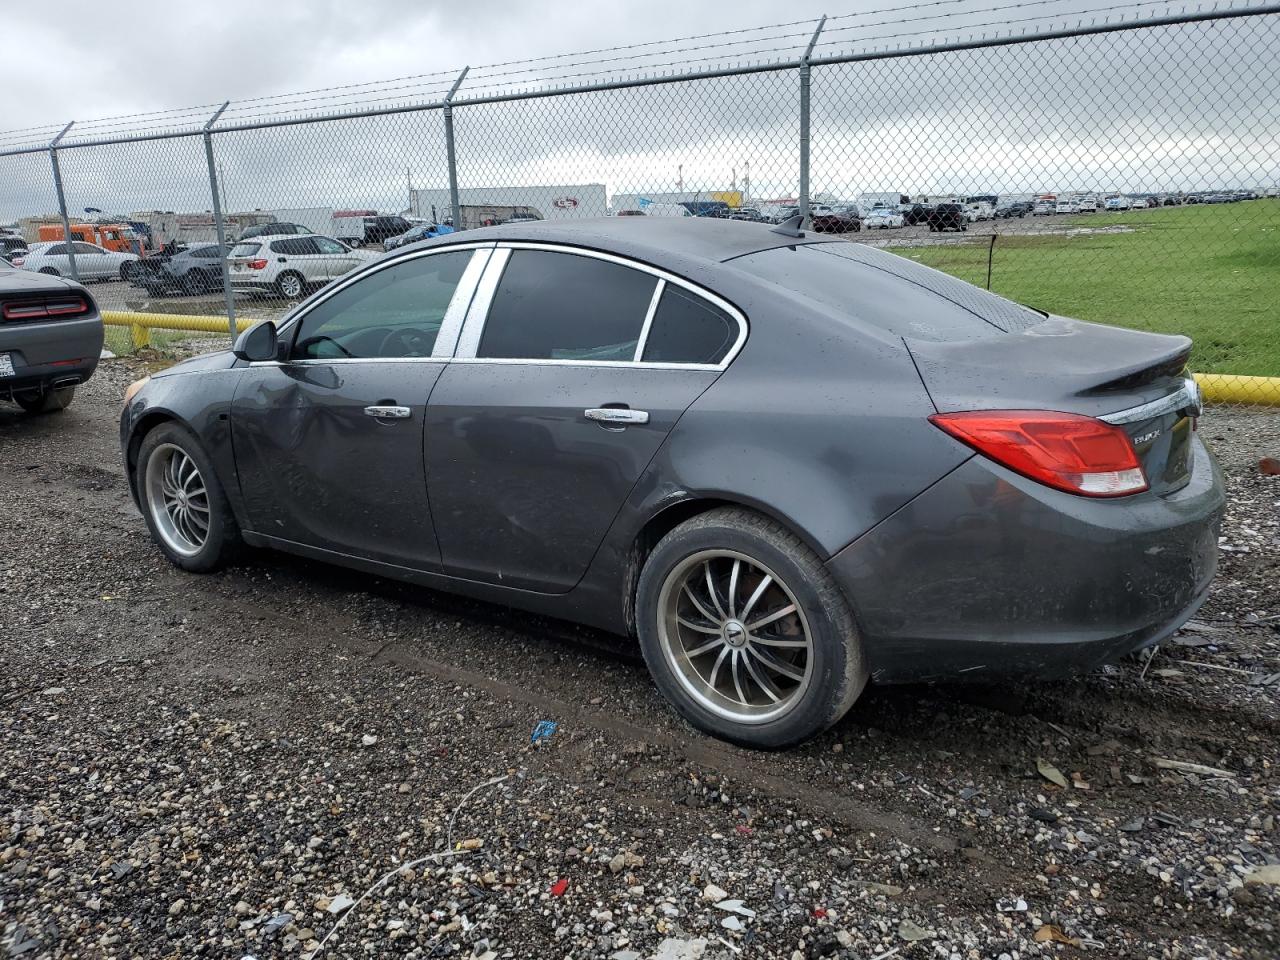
[(290, 265)]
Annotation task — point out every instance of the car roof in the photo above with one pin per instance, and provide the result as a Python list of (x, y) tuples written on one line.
[(662, 241)]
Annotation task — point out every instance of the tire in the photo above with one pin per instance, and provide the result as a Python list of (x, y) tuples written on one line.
[(51, 401), (819, 642), (290, 285), (166, 459), (51, 271)]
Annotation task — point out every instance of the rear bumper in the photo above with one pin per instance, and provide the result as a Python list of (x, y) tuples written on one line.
[(60, 353), (988, 573)]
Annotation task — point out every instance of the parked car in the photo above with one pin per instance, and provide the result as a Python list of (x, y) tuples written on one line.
[(361, 231), (290, 266), (424, 231), (601, 440), (50, 339), (980, 210), (917, 213), (882, 218), (12, 246), (749, 214), (948, 216), (1064, 206), (195, 269), (1138, 203), (1013, 208), (825, 219), (275, 230), (92, 261), (1044, 208), (1116, 203), (1087, 204)]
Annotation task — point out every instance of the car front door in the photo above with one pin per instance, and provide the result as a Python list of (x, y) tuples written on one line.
[(559, 396), (328, 439), (339, 259), (92, 262)]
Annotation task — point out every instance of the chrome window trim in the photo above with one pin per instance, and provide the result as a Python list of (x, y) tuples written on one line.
[(1185, 397), (450, 327), (473, 329)]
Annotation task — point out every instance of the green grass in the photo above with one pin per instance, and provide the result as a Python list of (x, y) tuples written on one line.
[(1209, 272), (163, 342)]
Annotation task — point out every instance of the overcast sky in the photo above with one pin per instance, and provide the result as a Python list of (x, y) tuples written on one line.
[(1190, 107)]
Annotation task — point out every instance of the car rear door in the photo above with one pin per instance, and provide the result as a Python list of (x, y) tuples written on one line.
[(558, 398), (328, 440), (302, 255), (93, 262)]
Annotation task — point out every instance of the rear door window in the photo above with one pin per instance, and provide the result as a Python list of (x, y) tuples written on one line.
[(687, 328), (560, 306), (245, 249)]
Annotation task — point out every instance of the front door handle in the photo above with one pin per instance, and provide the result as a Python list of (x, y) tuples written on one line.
[(387, 412), (622, 416)]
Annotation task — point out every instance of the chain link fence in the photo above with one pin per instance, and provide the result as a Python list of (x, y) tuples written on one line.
[(1124, 172)]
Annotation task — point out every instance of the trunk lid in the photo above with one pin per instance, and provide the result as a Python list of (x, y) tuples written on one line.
[(1133, 379)]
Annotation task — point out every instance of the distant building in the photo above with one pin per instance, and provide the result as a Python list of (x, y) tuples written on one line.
[(567, 201), (637, 201)]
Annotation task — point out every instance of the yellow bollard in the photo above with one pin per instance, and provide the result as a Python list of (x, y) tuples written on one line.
[(1232, 388)]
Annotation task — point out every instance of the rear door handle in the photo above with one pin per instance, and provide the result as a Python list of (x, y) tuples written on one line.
[(387, 412), (618, 415)]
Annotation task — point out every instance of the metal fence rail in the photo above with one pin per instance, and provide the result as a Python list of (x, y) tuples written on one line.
[(1120, 170)]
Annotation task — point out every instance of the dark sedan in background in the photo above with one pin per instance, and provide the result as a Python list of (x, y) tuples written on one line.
[(194, 269), (50, 339), (787, 463)]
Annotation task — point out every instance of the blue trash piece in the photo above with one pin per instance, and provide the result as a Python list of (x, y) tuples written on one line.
[(543, 730)]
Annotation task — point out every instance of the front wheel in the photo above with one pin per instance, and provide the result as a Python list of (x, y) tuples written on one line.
[(51, 401), (745, 632), (184, 505)]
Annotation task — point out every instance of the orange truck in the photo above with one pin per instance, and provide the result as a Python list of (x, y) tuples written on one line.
[(110, 236)]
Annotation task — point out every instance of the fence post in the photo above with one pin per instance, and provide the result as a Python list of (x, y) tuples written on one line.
[(450, 152), (62, 201), (804, 123), (227, 295)]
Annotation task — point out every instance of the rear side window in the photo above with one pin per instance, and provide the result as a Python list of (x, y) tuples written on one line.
[(558, 306), (58, 250), (245, 249), (868, 284), (688, 329)]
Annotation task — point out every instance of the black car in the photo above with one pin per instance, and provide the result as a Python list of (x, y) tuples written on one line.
[(1015, 208), (196, 269), (12, 246), (947, 216), (918, 213), (687, 430)]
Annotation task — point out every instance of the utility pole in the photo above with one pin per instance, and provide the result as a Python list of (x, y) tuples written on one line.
[(733, 179), (804, 123), (680, 178), (746, 181)]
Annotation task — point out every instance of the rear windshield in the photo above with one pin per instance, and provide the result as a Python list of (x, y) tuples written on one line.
[(858, 279), (245, 249)]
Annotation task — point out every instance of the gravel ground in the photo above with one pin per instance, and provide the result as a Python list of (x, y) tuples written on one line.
[(216, 766)]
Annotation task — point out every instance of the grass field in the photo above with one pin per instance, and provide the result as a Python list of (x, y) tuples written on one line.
[(1209, 272)]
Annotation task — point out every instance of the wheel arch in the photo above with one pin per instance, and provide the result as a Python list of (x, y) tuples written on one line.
[(146, 423), (668, 515)]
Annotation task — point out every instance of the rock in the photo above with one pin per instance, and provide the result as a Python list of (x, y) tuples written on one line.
[(339, 903), (1267, 876), (713, 893), (277, 923), (368, 740), (910, 931), (673, 949), (624, 955), (618, 864), (731, 923), (883, 889), (735, 906), (177, 907)]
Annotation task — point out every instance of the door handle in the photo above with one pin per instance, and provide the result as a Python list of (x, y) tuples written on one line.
[(617, 415), (387, 412)]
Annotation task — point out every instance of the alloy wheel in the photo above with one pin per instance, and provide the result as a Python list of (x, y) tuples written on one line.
[(735, 636), (177, 499)]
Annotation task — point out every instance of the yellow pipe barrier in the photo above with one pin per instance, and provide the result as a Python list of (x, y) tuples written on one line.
[(141, 324), (1232, 388), (1217, 387)]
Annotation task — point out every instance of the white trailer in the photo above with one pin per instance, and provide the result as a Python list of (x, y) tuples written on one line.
[(566, 201), (316, 219)]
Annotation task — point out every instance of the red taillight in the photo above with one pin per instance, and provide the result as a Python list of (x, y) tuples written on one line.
[(1064, 450), (18, 261), (257, 264), (36, 309)]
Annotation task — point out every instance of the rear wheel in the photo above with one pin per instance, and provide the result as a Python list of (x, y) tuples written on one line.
[(745, 632), (184, 505), (51, 401), (289, 285)]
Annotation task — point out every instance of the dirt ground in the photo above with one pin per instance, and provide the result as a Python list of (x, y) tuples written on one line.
[(215, 765)]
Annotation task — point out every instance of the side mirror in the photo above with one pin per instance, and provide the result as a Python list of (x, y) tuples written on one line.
[(258, 343)]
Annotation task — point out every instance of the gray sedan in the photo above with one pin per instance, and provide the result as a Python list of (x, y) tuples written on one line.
[(786, 463), (50, 339)]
